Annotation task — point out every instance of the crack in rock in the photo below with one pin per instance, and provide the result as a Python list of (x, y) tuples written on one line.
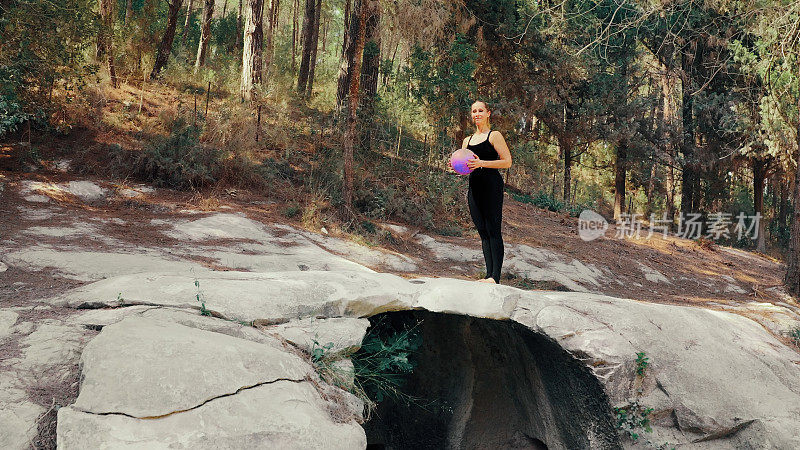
[(161, 416)]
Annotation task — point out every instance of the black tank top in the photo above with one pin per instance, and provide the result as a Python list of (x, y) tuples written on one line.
[(485, 150)]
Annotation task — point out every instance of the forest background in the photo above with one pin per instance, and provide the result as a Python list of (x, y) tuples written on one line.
[(348, 109)]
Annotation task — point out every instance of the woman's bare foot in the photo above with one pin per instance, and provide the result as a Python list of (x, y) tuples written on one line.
[(487, 280)]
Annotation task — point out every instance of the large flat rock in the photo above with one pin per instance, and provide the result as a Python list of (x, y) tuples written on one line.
[(282, 415), (247, 296), (281, 247), (92, 265), (17, 414), (713, 375), (154, 383), (167, 367), (338, 333)]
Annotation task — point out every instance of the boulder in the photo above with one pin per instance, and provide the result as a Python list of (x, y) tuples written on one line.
[(341, 334), (715, 379), (154, 383)]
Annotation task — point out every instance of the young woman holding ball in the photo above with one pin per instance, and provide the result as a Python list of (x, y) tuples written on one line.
[(485, 195)]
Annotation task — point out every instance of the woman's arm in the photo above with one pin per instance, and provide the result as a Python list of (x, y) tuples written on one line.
[(499, 143)]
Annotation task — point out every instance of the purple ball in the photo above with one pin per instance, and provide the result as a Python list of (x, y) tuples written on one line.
[(458, 160)]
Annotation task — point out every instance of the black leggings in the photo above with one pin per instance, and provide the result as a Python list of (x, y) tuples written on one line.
[(485, 199)]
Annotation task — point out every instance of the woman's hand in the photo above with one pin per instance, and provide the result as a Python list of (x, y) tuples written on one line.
[(474, 163)]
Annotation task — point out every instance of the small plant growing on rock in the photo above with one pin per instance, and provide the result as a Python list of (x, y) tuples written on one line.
[(632, 418), (642, 361), (794, 335), (200, 299), (319, 352)]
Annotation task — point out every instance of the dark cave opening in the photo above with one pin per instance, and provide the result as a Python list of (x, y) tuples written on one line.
[(482, 383)]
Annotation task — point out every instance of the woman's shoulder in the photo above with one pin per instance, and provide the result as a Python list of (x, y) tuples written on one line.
[(465, 141), (494, 135)]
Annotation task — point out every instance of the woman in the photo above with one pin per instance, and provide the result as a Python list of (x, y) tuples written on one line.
[(485, 195)]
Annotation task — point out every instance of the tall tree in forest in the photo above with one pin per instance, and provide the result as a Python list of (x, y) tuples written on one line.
[(251, 56), (666, 138), (165, 47), (185, 35), (295, 32), (622, 56), (205, 34), (239, 29), (312, 60), (347, 14), (272, 25), (760, 172), (372, 54), (620, 168), (352, 111), (770, 53), (346, 69), (792, 43), (128, 11), (105, 38), (309, 27)]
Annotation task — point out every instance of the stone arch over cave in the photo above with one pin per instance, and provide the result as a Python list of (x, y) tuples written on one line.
[(491, 384)]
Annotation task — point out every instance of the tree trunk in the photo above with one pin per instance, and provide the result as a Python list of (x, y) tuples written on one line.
[(688, 194), (619, 180), (783, 205), (465, 126), (325, 33), (347, 14), (372, 54), (185, 36), (251, 56), (272, 24), (239, 29), (205, 35), (308, 36), (793, 258), (165, 47), (759, 176), (350, 132), (128, 11), (651, 187), (792, 278), (294, 33), (667, 121), (312, 60), (348, 61), (105, 38), (566, 149)]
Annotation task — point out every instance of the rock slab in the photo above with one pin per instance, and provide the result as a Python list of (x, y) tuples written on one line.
[(151, 383)]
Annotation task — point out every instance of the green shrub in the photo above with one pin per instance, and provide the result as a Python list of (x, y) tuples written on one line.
[(546, 201), (540, 200), (179, 160), (11, 115), (450, 230), (291, 211), (384, 361), (368, 227)]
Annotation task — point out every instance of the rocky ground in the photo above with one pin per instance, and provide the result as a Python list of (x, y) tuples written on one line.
[(101, 286)]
